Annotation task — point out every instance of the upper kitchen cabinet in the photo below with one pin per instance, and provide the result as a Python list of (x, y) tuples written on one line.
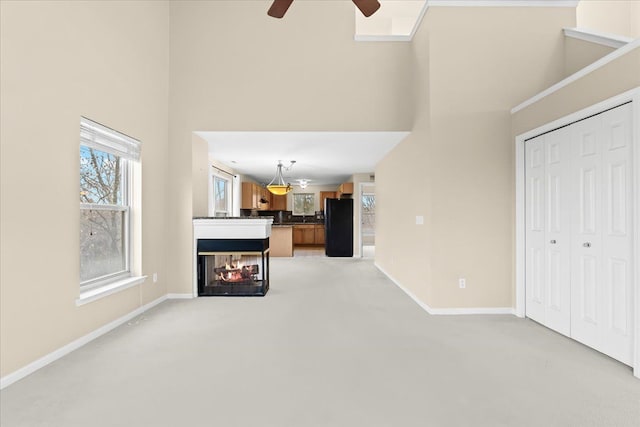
[(345, 189), (249, 200), (278, 203), (255, 196)]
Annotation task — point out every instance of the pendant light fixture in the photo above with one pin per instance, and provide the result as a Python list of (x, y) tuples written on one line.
[(277, 185)]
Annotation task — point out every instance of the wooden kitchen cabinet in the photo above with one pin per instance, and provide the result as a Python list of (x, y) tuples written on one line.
[(297, 235), (308, 234), (344, 189), (249, 200), (263, 194), (278, 203), (319, 234), (252, 196)]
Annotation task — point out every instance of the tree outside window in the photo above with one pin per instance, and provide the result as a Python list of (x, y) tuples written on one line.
[(304, 204), (104, 212)]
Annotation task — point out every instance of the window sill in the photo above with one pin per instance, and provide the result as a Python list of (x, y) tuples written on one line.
[(94, 294)]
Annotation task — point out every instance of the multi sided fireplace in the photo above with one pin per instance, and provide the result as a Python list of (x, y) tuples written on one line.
[(233, 267), (231, 256)]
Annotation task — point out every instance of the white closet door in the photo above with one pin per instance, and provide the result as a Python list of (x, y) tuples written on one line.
[(602, 243), (558, 231), (535, 229), (586, 239), (617, 236)]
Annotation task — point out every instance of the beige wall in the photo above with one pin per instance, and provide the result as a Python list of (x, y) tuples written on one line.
[(60, 60), (233, 69), (616, 77), (455, 168), (580, 53), (200, 165), (610, 16)]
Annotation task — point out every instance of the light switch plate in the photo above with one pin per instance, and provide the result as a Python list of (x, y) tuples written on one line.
[(419, 220)]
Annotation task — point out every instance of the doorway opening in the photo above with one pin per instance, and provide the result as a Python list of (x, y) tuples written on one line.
[(368, 221)]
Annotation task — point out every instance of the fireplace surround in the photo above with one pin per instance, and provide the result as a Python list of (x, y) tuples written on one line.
[(231, 256), (237, 267)]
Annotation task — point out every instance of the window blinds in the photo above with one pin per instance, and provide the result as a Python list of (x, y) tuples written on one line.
[(95, 135)]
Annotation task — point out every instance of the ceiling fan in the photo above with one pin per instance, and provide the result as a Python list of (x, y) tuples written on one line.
[(279, 7)]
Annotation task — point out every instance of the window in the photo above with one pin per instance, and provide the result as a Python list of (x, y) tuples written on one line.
[(304, 204), (106, 160), (221, 196)]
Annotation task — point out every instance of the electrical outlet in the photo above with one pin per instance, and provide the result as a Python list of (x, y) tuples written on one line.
[(462, 283), (155, 277)]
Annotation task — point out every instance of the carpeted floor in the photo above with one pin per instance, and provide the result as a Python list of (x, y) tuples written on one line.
[(334, 343)]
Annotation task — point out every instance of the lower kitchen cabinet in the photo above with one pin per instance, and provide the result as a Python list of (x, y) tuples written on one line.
[(308, 234), (319, 234)]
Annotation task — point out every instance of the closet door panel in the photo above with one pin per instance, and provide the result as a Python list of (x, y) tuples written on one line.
[(586, 241), (617, 239), (558, 230), (535, 229)]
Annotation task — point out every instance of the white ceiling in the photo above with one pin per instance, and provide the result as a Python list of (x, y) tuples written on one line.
[(321, 157)]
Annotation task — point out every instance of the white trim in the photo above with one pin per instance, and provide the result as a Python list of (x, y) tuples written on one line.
[(419, 20), (461, 3), (578, 75), (446, 311), (179, 296), (7, 380), (520, 230), (636, 225), (383, 38), (94, 294), (634, 96), (604, 39), (503, 3)]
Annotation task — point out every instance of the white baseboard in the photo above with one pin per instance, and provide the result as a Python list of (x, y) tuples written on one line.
[(180, 296), (447, 311), (11, 378)]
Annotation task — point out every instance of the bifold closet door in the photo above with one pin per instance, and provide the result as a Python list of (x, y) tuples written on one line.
[(548, 230), (601, 238)]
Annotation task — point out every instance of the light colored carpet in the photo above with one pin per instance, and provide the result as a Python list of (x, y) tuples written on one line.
[(334, 343)]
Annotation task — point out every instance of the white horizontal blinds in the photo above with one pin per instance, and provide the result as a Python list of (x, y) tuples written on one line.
[(95, 135)]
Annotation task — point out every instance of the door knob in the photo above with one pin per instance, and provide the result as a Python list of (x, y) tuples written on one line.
[(553, 242), (586, 244)]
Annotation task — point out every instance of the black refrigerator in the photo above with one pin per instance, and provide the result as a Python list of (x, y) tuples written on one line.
[(338, 225)]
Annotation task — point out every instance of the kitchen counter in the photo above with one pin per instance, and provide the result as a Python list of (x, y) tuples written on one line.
[(232, 217)]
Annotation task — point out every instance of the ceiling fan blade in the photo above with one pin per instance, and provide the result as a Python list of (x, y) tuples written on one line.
[(279, 8), (367, 7)]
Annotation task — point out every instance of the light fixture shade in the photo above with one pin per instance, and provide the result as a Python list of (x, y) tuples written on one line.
[(277, 185), (279, 190)]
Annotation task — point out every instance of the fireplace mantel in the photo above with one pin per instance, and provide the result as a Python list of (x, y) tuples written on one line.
[(232, 228), (226, 228)]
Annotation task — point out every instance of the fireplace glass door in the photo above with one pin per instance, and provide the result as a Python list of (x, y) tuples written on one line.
[(232, 272)]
